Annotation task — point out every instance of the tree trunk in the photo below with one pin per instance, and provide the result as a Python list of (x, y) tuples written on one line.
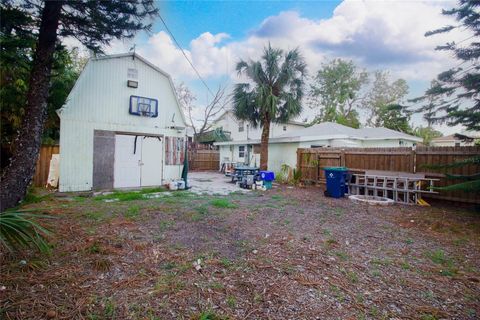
[(264, 144), (19, 172)]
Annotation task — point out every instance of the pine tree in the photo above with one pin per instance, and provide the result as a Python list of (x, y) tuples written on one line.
[(95, 24), (455, 95)]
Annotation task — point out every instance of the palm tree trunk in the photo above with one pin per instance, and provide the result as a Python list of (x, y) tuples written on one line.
[(264, 144), (19, 172)]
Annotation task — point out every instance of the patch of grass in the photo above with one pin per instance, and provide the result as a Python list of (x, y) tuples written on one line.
[(428, 295), (231, 301), (405, 265), (223, 203), (277, 197), (326, 232), (226, 263), (352, 276), (428, 317), (438, 256), (381, 262), (460, 241), (331, 242), (338, 211), (132, 212), (448, 264), (202, 209), (109, 310), (376, 273), (32, 197), (94, 248), (409, 241), (169, 284), (164, 225), (216, 285), (130, 195), (342, 255), (208, 315), (95, 216)]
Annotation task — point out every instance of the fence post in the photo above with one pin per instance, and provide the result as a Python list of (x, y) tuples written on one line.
[(342, 158), (412, 160), (299, 159)]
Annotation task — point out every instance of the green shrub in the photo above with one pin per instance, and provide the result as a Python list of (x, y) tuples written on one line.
[(223, 203)]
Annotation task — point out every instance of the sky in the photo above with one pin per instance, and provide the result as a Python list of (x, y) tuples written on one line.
[(376, 35)]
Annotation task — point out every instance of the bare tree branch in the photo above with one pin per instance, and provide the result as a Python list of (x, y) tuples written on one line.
[(209, 113)]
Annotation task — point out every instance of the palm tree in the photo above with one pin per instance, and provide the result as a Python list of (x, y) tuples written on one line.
[(274, 93)]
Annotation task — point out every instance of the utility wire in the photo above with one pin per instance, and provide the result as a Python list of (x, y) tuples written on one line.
[(185, 55)]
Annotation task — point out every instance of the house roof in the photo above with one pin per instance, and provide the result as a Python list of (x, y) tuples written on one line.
[(330, 130), (450, 137), (298, 123)]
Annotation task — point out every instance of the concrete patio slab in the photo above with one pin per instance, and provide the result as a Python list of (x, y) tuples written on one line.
[(212, 183)]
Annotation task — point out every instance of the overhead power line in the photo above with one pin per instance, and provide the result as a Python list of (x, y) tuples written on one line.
[(186, 57)]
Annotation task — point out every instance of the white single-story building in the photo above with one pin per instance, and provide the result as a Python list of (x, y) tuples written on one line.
[(463, 139), (121, 127), (283, 149)]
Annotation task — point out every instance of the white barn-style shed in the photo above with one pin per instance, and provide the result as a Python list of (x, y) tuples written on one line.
[(121, 127)]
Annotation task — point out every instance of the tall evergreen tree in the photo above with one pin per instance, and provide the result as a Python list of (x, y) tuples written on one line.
[(16, 55), (456, 92), (274, 94), (93, 23)]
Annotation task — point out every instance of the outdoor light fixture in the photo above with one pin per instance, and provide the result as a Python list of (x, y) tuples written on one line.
[(132, 84)]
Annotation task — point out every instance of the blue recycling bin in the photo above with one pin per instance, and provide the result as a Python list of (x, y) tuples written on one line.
[(267, 175), (336, 181)]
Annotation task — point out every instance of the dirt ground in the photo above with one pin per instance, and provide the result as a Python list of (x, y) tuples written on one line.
[(289, 253)]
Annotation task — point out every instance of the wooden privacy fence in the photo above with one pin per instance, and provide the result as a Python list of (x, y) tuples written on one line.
[(43, 164), (312, 161), (204, 160)]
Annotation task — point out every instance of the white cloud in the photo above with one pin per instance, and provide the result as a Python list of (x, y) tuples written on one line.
[(376, 34)]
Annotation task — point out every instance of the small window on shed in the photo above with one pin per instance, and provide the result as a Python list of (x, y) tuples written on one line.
[(401, 142), (132, 73), (284, 128)]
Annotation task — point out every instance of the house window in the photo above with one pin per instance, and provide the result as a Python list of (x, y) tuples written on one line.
[(401, 142), (241, 151), (132, 73), (284, 128), (241, 126), (457, 144)]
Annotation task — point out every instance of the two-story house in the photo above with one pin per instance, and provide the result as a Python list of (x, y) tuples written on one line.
[(244, 144)]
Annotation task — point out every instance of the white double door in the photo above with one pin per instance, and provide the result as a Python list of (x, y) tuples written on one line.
[(138, 161)]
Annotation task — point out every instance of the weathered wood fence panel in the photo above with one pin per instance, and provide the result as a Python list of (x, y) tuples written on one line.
[(444, 155), (202, 160), (43, 164), (311, 162)]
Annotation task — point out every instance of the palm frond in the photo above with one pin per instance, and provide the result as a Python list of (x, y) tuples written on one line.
[(19, 230), (468, 186), (456, 164)]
